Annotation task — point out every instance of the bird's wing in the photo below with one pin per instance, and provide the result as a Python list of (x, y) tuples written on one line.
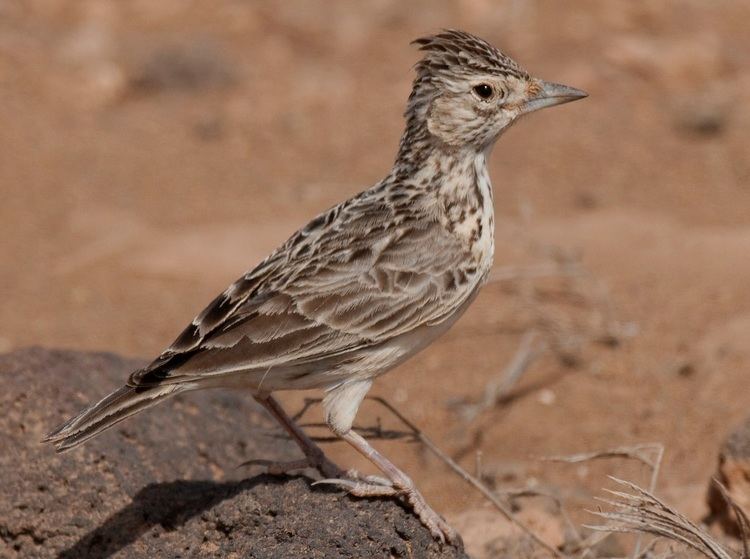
[(357, 275)]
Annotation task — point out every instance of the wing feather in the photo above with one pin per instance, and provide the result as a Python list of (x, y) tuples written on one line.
[(356, 276)]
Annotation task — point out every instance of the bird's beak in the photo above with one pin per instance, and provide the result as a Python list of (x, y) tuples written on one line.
[(549, 94)]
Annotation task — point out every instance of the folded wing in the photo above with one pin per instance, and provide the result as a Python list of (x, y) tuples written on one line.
[(356, 276)]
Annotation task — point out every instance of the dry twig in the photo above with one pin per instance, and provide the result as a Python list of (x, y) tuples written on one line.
[(641, 453), (638, 452), (549, 331), (529, 350), (453, 465), (466, 476)]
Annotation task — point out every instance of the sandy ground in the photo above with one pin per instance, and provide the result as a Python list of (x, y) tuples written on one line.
[(151, 152)]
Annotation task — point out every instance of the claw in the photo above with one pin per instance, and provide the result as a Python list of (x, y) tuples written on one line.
[(435, 523)]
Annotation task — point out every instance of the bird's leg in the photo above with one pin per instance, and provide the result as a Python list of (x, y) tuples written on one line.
[(398, 484), (314, 455)]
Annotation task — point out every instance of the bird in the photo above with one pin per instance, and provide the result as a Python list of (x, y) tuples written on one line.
[(364, 285)]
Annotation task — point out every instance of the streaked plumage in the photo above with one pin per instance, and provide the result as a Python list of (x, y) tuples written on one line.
[(368, 283)]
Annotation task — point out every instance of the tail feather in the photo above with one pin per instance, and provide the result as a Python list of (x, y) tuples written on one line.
[(109, 411)]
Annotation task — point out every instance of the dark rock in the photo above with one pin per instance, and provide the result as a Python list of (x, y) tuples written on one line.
[(165, 483)]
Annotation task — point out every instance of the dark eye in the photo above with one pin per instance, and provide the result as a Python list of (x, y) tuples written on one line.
[(483, 90)]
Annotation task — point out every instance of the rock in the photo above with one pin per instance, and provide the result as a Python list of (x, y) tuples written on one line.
[(165, 483), (734, 473)]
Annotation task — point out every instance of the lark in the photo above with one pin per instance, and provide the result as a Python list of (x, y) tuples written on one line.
[(365, 285)]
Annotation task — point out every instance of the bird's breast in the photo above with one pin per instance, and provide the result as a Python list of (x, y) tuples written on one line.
[(468, 213)]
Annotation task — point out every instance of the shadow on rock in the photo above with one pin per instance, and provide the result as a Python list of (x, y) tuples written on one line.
[(168, 505)]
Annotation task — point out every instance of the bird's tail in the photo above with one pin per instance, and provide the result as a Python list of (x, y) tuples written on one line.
[(109, 411)]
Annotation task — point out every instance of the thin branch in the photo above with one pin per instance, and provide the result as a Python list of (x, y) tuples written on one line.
[(634, 452), (466, 476), (529, 350)]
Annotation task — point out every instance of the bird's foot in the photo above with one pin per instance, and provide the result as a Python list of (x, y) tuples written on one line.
[(375, 486)]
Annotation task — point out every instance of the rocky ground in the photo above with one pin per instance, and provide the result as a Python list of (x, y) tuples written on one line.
[(167, 485), (151, 151)]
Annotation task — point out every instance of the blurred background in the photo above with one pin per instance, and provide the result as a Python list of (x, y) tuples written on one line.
[(150, 152)]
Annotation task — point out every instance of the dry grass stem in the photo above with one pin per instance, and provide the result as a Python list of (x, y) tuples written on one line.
[(650, 454), (639, 511)]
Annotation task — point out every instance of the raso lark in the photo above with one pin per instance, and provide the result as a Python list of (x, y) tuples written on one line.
[(366, 284)]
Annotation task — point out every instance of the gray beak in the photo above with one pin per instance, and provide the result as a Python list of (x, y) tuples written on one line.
[(552, 94)]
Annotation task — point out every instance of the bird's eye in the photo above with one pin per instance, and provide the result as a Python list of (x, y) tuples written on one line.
[(483, 91)]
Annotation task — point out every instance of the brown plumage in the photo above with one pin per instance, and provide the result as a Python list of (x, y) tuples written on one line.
[(366, 284)]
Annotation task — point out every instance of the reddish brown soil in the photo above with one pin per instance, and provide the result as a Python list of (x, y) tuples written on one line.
[(149, 153)]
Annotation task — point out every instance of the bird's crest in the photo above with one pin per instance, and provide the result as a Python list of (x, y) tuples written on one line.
[(453, 52)]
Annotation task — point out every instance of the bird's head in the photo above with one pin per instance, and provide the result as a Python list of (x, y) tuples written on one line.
[(467, 92)]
